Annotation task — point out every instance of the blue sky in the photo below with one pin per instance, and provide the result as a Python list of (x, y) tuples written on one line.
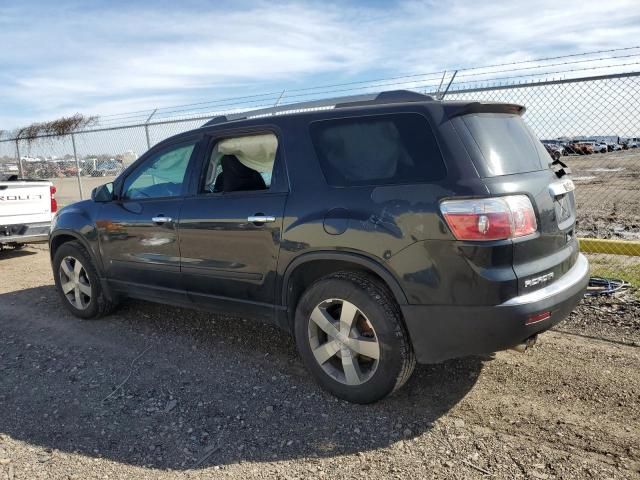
[(62, 57)]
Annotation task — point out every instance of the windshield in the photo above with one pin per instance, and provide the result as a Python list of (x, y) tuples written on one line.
[(507, 145)]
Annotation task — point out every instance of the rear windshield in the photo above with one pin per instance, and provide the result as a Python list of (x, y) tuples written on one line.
[(506, 143), (378, 150)]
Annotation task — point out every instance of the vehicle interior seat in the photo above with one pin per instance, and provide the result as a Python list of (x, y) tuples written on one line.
[(235, 176)]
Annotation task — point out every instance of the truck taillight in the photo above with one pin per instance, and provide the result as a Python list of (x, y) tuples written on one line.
[(54, 203), (496, 218)]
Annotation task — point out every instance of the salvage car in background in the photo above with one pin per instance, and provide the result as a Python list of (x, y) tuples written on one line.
[(110, 168), (613, 146), (598, 146), (555, 149), (579, 147)]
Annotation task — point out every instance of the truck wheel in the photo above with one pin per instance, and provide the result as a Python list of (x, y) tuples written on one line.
[(351, 337), (78, 283)]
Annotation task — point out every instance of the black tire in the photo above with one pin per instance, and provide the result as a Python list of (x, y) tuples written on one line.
[(396, 357), (98, 305)]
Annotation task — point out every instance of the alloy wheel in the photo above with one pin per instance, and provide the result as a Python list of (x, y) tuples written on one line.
[(75, 283), (343, 342)]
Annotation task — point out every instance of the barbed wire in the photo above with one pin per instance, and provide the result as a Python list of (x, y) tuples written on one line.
[(400, 77), (427, 87), (163, 112), (467, 77)]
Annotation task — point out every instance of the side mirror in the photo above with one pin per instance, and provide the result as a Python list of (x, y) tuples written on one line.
[(103, 193)]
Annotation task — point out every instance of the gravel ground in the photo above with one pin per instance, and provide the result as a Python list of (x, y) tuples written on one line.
[(607, 194), (612, 318), (160, 392)]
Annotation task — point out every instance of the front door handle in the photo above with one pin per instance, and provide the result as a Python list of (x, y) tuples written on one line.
[(161, 219), (261, 219)]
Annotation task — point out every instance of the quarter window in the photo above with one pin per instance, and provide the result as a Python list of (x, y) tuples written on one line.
[(378, 150), (161, 176), (507, 144)]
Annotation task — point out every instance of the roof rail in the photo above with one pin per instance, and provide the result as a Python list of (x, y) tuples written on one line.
[(392, 96)]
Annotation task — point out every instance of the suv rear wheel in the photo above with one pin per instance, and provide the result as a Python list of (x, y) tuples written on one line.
[(78, 283), (350, 335)]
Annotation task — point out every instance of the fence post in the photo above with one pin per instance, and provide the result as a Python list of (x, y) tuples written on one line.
[(439, 86), (279, 98), (20, 170), (146, 128), (75, 155), (449, 85)]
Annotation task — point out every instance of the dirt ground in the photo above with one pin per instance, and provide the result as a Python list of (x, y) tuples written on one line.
[(607, 194), (160, 392)]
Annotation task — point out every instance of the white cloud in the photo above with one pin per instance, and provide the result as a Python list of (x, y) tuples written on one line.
[(62, 59)]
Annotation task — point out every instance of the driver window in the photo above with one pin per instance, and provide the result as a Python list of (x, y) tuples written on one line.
[(241, 164), (161, 176)]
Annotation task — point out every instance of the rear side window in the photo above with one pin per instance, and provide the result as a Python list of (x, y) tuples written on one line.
[(506, 143), (378, 150), (241, 164)]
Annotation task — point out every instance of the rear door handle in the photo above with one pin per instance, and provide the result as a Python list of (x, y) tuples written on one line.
[(162, 219), (261, 219)]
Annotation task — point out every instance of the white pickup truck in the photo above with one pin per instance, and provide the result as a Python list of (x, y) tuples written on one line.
[(26, 209)]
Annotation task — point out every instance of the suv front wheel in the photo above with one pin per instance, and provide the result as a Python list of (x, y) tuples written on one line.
[(78, 283), (350, 335)]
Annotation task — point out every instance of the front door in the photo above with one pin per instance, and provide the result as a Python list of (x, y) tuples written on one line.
[(230, 230), (138, 231)]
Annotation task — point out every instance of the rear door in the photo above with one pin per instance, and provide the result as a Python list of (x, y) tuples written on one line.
[(230, 231), (138, 231), (512, 160)]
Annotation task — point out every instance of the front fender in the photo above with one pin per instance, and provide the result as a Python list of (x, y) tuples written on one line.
[(75, 221)]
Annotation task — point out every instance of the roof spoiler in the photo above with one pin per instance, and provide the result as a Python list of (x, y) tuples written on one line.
[(457, 110)]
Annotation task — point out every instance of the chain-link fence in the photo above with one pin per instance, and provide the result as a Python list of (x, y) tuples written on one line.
[(590, 123)]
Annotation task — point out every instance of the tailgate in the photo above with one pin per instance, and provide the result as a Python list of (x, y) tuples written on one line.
[(511, 160), (542, 258), (24, 202)]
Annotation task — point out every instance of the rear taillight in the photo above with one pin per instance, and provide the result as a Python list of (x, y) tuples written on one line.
[(496, 218), (54, 203)]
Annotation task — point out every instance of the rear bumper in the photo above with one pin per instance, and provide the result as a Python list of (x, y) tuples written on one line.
[(441, 332), (29, 233)]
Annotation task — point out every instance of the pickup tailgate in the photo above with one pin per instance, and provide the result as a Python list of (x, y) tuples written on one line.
[(24, 202)]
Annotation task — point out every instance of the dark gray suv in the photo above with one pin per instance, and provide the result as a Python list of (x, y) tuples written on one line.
[(377, 230)]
